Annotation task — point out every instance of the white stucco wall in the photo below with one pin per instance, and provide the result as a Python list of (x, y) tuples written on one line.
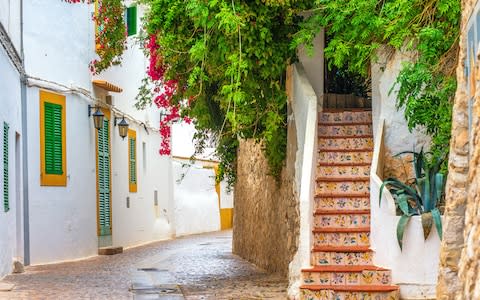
[(10, 112), (196, 201), (10, 20), (304, 107), (415, 268), (397, 136), (63, 220), (314, 64)]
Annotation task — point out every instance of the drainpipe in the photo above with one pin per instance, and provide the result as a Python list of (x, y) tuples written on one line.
[(23, 95)]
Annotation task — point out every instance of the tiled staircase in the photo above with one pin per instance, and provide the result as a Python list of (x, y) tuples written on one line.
[(342, 260)]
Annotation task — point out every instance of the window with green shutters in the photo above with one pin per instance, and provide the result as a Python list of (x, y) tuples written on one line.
[(131, 17), (53, 165), (6, 202), (104, 184), (132, 161), (53, 139)]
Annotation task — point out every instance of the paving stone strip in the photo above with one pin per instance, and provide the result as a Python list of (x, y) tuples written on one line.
[(194, 267)]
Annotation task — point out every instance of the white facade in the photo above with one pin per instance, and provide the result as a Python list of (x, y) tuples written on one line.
[(63, 219), (11, 232)]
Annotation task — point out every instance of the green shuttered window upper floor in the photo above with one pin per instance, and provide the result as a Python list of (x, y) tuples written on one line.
[(6, 202), (53, 139), (131, 20)]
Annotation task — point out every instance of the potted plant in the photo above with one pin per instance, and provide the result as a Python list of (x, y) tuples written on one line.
[(420, 196)]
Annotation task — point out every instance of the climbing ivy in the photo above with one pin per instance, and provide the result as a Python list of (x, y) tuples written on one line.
[(428, 29), (228, 59)]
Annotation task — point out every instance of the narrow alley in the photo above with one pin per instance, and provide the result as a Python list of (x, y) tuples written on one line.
[(194, 267)]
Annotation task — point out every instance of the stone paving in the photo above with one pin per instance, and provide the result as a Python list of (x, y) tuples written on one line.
[(193, 267)]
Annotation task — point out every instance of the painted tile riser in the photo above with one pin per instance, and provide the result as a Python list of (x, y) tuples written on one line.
[(343, 171), (343, 188), (344, 117), (342, 258), (332, 295), (345, 130), (342, 203), (345, 143), (341, 221), (341, 239), (347, 278), (344, 157)]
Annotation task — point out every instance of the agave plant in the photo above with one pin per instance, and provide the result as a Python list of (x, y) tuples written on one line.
[(421, 196)]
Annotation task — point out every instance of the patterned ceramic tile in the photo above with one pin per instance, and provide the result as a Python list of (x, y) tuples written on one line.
[(343, 171), (321, 258), (368, 277), (345, 143), (342, 239), (343, 187), (345, 130), (383, 277), (342, 203), (345, 117), (344, 157), (342, 221), (337, 278), (316, 295)]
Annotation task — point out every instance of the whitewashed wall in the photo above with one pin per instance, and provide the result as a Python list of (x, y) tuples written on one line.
[(384, 73), (196, 201), (10, 112), (63, 221), (11, 242)]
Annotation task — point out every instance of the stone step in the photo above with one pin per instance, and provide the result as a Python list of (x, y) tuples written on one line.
[(345, 157), (343, 171), (343, 188), (320, 258), (337, 221), (350, 203), (345, 143), (341, 239), (345, 130), (350, 292), (346, 275), (345, 117)]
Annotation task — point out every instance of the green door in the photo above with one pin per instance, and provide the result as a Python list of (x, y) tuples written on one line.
[(103, 166)]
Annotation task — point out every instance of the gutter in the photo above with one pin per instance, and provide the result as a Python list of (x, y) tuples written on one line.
[(23, 95)]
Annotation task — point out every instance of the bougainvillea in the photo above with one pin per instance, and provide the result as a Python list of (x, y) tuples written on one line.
[(110, 33)]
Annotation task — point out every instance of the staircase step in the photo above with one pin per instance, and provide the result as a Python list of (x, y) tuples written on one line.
[(345, 130), (361, 203), (343, 179), (342, 258), (342, 221), (344, 249), (345, 157), (344, 123), (340, 229), (341, 211), (346, 187), (345, 116), (339, 239), (344, 171), (346, 143), (349, 292), (346, 275)]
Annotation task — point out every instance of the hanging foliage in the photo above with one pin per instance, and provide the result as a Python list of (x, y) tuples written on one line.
[(227, 60)]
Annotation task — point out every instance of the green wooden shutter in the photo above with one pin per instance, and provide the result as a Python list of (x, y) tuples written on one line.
[(133, 162), (104, 180), (6, 203), (53, 139), (132, 20)]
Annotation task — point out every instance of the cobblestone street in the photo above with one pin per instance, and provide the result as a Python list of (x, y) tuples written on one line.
[(193, 267)]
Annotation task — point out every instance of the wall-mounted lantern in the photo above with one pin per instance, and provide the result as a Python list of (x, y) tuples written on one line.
[(122, 126), (98, 116)]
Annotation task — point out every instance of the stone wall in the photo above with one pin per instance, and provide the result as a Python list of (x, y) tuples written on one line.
[(453, 264), (266, 218)]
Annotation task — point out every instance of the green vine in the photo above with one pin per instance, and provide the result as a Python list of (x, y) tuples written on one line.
[(229, 58), (426, 85)]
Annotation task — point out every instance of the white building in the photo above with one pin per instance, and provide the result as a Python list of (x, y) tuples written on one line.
[(87, 188), (11, 241)]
